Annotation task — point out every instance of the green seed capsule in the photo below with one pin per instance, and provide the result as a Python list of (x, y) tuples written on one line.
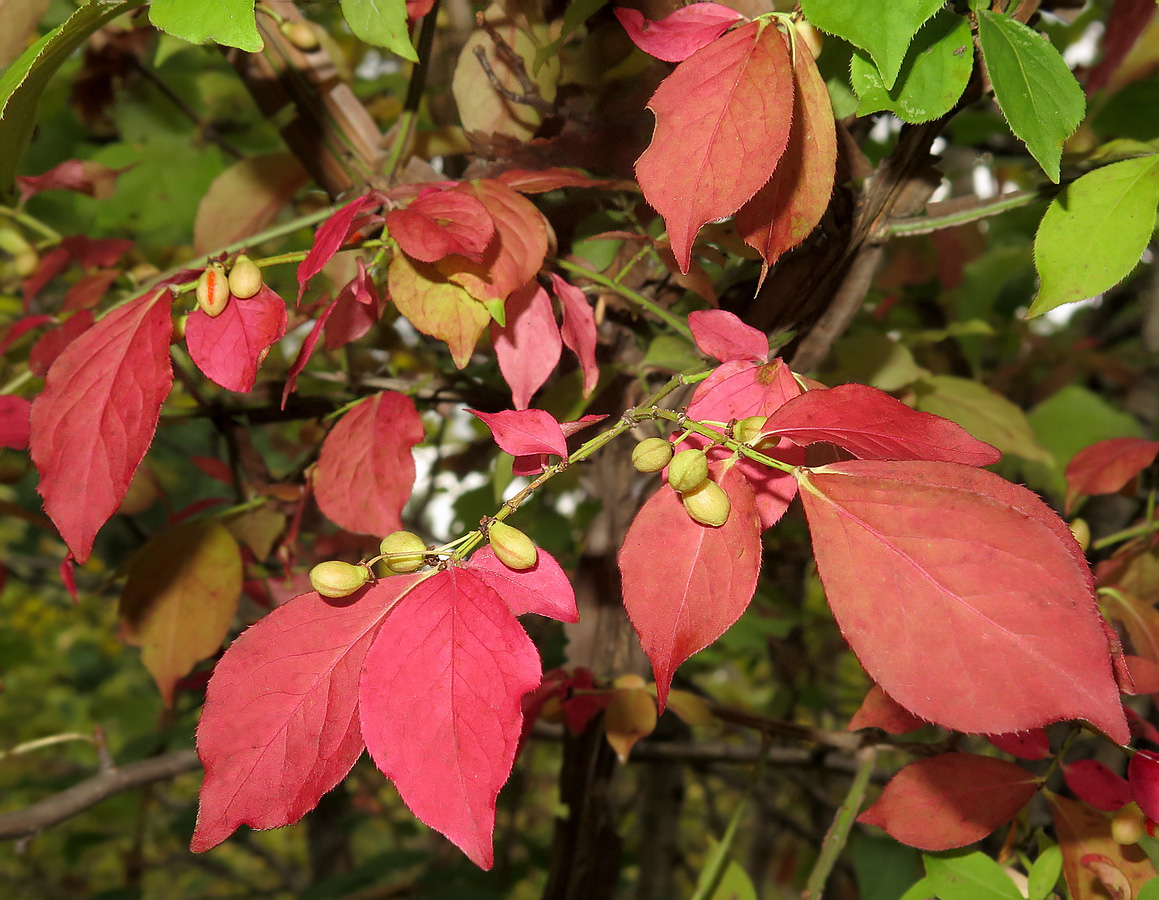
[(336, 579), (512, 547), (213, 290), (245, 278), (708, 504), (688, 470), (651, 454), (404, 550)]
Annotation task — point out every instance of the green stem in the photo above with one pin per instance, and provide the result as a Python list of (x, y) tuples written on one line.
[(927, 224), (629, 294), (16, 383), (1143, 528), (33, 223), (717, 863), (721, 438), (414, 93), (838, 833)]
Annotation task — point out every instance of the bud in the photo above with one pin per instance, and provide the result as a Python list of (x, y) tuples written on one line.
[(1128, 825), (651, 454), (688, 470), (708, 504), (404, 552), (513, 548), (245, 278), (1082, 532), (748, 430), (301, 35), (810, 35), (335, 579), (213, 290)]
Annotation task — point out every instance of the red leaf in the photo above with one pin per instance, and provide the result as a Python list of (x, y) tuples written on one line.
[(543, 589), (529, 345), (951, 800), (230, 347), (879, 710), (725, 337), (516, 250), (736, 390), (96, 253), (80, 175), (438, 223), (305, 352), (534, 463), (14, 422), (356, 309), (679, 34), (1082, 832), (89, 290), (524, 432), (1033, 744), (1143, 775), (280, 725), (671, 566), (871, 424), (1108, 466), (18, 329), (51, 264), (543, 180), (1094, 783), (935, 570), (366, 470), (578, 329), (52, 343), (790, 205), (440, 704), (68, 575), (1144, 673), (722, 122), (331, 235), (1141, 729), (97, 414), (1126, 23)]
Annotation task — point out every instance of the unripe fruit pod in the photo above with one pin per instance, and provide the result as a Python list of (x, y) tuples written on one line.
[(179, 324), (335, 579), (688, 470), (651, 454), (245, 278), (26, 262), (513, 548), (301, 35), (708, 504), (213, 290), (1129, 824), (810, 35), (1082, 532), (748, 430), (407, 552)]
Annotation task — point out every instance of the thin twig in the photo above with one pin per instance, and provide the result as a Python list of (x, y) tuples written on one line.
[(514, 62), (207, 128), (838, 833)]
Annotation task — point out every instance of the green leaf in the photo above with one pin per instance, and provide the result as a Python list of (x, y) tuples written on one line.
[(578, 12), (381, 23), (1149, 891), (229, 22), (735, 884), (25, 80), (932, 77), (1035, 89), (883, 28), (884, 868), (969, 875), (1094, 232), (919, 890), (987, 415), (1044, 873)]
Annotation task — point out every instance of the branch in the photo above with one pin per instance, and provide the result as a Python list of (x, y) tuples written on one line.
[(36, 818)]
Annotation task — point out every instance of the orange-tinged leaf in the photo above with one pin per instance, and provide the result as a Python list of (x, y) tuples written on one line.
[(437, 307), (1083, 832), (366, 470), (180, 596), (1108, 466), (245, 199), (937, 571), (685, 583), (722, 122), (630, 717), (97, 414), (879, 710), (787, 209), (515, 252), (951, 800)]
